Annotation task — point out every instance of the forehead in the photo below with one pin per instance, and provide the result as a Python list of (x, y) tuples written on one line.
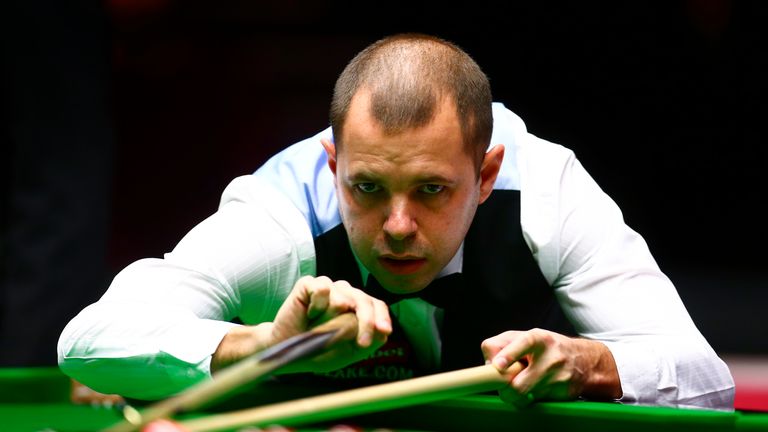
[(365, 141)]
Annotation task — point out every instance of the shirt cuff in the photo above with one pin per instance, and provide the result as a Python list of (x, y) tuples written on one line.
[(638, 369), (195, 342)]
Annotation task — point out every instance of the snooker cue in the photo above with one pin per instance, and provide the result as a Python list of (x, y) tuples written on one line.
[(363, 400), (244, 371)]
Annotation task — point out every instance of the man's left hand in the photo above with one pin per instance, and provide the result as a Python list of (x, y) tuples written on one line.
[(557, 367)]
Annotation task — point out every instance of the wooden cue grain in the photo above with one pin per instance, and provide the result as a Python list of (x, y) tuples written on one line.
[(362, 400), (226, 380)]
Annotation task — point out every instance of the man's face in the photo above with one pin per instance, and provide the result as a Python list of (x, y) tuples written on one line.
[(406, 200)]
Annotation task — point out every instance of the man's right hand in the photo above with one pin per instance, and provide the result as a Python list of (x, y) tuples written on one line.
[(311, 302)]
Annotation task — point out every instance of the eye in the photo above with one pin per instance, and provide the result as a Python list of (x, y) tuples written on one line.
[(367, 187), (432, 188)]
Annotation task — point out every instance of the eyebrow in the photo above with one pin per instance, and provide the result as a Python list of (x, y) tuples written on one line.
[(370, 176), (434, 179), (363, 175)]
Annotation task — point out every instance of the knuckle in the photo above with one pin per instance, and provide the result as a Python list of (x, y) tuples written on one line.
[(507, 335), (531, 337), (341, 283), (541, 336), (489, 344), (359, 292)]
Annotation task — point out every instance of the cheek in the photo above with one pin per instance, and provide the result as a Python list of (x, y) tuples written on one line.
[(346, 205), (356, 220), (360, 230), (453, 223)]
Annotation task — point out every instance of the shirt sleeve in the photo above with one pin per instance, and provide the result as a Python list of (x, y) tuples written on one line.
[(611, 288), (153, 332)]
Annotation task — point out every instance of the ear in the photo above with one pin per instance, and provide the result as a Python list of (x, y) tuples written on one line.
[(489, 170), (330, 150)]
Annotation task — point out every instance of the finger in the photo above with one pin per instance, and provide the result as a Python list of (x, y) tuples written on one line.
[(534, 378), (319, 297), (554, 384), (383, 321), (544, 361), (515, 398), (364, 308), (518, 346), (491, 346)]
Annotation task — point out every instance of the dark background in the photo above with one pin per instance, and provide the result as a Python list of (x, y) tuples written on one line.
[(123, 121)]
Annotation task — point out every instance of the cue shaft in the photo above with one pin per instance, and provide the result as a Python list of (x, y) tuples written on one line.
[(247, 370), (362, 400)]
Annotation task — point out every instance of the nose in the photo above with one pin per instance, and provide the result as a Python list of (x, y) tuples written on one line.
[(400, 223)]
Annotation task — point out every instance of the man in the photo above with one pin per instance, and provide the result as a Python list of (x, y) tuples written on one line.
[(404, 196)]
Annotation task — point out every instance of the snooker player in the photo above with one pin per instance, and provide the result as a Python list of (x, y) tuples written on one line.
[(432, 214)]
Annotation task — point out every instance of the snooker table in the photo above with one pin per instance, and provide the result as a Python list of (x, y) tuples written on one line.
[(37, 399)]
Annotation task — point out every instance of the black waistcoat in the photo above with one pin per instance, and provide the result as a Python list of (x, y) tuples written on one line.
[(503, 285)]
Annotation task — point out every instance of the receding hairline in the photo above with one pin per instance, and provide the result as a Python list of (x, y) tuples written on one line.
[(363, 99), (408, 75)]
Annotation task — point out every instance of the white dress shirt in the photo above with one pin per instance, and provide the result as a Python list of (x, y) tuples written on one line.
[(153, 332)]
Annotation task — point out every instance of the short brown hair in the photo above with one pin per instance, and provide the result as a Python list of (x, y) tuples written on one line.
[(408, 74)]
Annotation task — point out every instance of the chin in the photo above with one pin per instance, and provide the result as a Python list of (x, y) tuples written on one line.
[(405, 285)]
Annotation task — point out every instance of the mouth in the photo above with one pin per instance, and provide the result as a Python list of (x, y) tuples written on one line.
[(402, 265)]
